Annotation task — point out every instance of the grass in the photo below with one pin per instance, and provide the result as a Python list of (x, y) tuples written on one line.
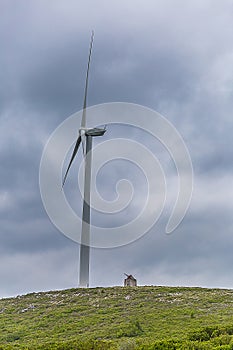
[(119, 318)]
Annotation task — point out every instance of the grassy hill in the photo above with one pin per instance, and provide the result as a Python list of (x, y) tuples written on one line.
[(119, 318)]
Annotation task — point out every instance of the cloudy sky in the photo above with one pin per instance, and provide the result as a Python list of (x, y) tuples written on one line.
[(173, 56)]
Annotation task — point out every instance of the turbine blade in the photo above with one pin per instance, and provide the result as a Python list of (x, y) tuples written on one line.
[(72, 158), (83, 123), (83, 139)]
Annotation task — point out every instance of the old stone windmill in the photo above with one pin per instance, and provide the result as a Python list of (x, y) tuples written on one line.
[(130, 281)]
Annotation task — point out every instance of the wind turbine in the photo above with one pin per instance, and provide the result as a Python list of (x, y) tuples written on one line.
[(85, 137)]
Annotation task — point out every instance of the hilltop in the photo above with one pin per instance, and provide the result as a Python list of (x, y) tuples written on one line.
[(119, 318)]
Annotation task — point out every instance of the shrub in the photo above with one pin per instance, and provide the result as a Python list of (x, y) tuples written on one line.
[(132, 329)]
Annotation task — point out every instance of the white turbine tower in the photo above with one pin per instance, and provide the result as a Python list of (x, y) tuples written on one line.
[(85, 136)]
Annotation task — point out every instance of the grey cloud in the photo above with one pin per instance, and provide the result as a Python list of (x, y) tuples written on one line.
[(175, 58)]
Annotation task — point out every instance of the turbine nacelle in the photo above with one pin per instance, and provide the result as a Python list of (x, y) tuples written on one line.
[(92, 131)]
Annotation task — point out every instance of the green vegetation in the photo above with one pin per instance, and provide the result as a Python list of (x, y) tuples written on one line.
[(118, 318)]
